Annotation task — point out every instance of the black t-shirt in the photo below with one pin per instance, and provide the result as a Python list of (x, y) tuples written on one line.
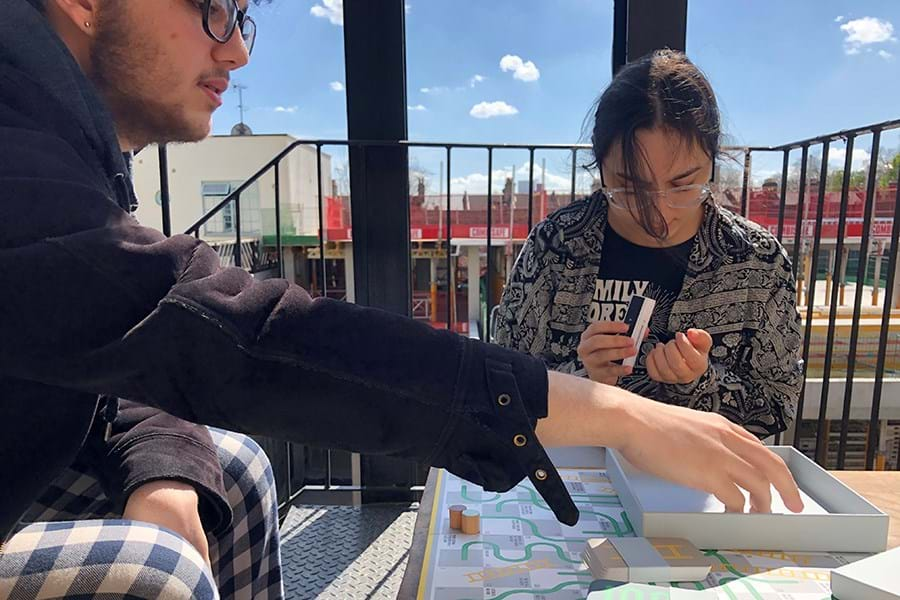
[(627, 269)]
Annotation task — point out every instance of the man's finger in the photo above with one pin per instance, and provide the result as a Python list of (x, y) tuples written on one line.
[(755, 482), (773, 467), (729, 495)]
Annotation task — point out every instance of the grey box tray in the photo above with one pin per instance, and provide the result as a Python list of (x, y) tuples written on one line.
[(843, 521)]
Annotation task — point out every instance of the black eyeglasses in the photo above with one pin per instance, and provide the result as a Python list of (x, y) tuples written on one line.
[(222, 17)]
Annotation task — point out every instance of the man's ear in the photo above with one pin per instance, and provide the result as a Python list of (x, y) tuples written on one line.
[(78, 14)]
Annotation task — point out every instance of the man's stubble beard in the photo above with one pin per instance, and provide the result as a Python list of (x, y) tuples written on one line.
[(130, 74)]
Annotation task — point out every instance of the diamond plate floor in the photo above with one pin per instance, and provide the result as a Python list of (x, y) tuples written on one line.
[(346, 552)]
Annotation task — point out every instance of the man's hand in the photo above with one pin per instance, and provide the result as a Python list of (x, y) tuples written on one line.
[(683, 360), (601, 344), (173, 505), (700, 450)]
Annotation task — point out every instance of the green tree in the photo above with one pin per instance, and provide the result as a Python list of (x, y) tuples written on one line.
[(889, 170), (836, 180)]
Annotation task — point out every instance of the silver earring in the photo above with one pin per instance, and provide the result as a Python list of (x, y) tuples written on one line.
[(87, 24)]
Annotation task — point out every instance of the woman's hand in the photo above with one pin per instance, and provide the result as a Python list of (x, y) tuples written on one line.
[(682, 360), (601, 344)]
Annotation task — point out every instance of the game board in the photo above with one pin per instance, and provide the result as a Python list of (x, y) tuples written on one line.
[(524, 552)]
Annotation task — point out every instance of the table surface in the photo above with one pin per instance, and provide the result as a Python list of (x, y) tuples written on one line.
[(881, 488)]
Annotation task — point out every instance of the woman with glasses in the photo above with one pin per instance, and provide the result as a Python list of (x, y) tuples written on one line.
[(724, 335)]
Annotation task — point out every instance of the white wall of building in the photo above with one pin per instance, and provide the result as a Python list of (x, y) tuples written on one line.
[(233, 159)]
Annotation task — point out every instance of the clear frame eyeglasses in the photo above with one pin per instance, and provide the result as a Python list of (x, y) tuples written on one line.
[(683, 196)]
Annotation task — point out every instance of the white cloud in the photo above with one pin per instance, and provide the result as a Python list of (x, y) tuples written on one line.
[(336, 86), (865, 31), (417, 108), (438, 89), (839, 18), (885, 54), (333, 10), (487, 110), (476, 80), (836, 157), (285, 109), (522, 70)]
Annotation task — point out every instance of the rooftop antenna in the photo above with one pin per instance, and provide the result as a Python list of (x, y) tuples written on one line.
[(241, 128), (240, 88)]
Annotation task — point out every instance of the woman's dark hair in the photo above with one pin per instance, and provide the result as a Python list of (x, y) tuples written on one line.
[(663, 89)]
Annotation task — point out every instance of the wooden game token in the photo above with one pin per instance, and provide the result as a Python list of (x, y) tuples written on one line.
[(471, 522), (456, 512)]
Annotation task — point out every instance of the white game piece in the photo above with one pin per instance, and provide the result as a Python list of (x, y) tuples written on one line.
[(637, 317)]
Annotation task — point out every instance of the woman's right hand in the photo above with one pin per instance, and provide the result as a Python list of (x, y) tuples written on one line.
[(601, 344)]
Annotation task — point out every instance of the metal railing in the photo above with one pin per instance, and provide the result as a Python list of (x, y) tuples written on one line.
[(297, 486)]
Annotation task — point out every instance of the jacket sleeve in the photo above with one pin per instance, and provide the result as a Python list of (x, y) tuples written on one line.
[(94, 302), (526, 306), (145, 444), (759, 387)]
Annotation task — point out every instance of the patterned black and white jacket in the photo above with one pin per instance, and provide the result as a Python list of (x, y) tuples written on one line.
[(738, 286)]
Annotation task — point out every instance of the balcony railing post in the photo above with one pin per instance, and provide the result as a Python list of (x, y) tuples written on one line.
[(278, 249), (322, 223), (745, 184), (799, 275), (375, 66), (164, 197), (642, 26), (530, 189), (782, 204), (857, 300), (486, 334), (823, 429), (238, 259), (451, 287), (885, 327), (811, 284)]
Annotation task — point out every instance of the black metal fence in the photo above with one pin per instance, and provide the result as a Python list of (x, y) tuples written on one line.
[(308, 470)]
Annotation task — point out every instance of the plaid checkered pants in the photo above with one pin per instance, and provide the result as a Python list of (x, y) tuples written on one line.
[(72, 546)]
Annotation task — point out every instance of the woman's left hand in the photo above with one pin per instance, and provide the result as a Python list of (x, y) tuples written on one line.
[(682, 360)]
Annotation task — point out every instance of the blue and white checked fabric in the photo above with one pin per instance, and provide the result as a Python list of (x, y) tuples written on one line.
[(72, 546)]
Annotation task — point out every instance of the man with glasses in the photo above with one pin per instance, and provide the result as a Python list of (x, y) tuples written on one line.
[(107, 522), (96, 306)]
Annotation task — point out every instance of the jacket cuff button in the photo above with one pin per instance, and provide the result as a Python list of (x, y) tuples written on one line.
[(540, 474)]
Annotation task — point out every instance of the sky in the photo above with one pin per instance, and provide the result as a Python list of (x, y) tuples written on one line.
[(518, 71)]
